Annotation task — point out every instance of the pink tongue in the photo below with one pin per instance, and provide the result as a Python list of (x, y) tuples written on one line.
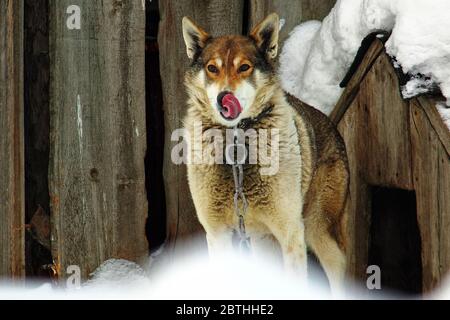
[(231, 106)]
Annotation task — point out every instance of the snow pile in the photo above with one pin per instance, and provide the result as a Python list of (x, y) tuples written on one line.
[(444, 111), (314, 59), (117, 273), (415, 86), (295, 53)]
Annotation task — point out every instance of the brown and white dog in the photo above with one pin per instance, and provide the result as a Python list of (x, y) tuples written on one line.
[(302, 204)]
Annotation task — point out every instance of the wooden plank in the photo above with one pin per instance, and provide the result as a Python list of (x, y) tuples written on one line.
[(293, 12), (98, 133), (386, 152), (431, 169), (290, 10), (358, 204), (181, 218), (353, 86), (375, 128), (429, 106), (444, 210), (316, 10), (12, 204)]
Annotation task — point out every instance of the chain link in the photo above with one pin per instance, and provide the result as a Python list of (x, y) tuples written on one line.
[(239, 196), (238, 174)]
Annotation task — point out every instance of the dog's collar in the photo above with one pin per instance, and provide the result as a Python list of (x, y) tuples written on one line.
[(247, 123)]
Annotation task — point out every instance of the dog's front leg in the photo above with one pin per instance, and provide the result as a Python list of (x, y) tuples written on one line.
[(220, 242), (291, 237)]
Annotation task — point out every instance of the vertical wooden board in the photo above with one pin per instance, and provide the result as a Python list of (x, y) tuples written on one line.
[(293, 12), (98, 133), (444, 209), (216, 17), (316, 10), (12, 212), (386, 153), (427, 181), (353, 86), (428, 104), (358, 204)]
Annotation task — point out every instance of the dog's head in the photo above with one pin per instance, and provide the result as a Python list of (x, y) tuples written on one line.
[(230, 77)]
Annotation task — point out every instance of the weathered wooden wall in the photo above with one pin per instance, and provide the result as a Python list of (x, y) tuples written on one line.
[(98, 133), (217, 17), (397, 144), (431, 176), (376, 135), (12, 212), (292, 11)]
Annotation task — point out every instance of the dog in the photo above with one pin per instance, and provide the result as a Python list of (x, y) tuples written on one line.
[(230, 79)]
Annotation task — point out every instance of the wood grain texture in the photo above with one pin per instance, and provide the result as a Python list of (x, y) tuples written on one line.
[(293, 12), (290, 10), (12, 207), (358, 204), (386, 153), (397, 144), (429, 106), (375, 128), (218, 18), (316, 10), (431, 169), (354, 84), (98, 134)]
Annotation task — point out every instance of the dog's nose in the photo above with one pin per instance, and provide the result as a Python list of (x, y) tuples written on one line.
[(220, 97)]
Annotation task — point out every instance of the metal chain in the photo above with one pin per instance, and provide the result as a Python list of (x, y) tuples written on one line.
[(238, 175), (239, 196)]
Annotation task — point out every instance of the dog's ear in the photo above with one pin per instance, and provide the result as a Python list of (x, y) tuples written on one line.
[(194, 37), (266, 35)]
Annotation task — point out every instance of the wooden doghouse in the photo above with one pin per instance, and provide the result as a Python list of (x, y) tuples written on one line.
[(399, 208)]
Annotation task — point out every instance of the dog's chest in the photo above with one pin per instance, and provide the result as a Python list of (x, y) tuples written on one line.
[(214, 184)]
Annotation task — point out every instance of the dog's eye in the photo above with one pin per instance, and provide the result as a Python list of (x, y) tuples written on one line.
[(213, 69), (244, 68)]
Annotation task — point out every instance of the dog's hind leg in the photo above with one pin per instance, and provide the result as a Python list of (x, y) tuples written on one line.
[(325, 220), (331, 257)]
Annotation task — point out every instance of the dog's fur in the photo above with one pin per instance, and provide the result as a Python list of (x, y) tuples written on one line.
[(303, 203)]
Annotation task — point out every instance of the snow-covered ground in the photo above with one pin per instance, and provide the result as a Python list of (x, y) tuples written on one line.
[(316, 56), (191, 276), (195, 276)]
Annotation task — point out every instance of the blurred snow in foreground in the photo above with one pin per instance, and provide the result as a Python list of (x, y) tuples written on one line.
[(231, 276), (193, 276)]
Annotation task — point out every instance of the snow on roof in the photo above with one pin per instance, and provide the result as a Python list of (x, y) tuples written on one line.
[(317, 56)]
